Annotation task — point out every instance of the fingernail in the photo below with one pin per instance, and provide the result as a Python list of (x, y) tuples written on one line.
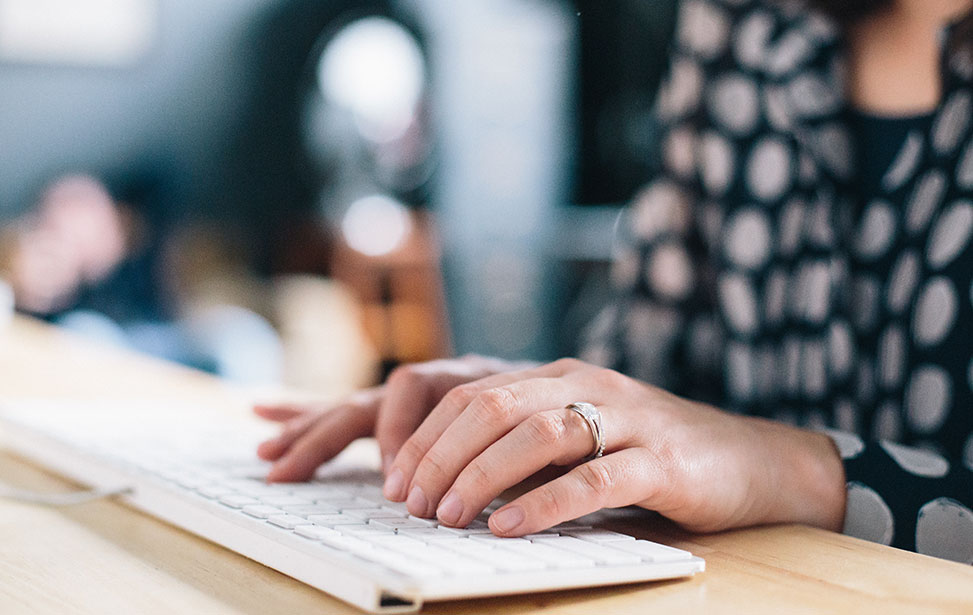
[(417, 503), (450, 509), (394, 485), (508, 519), (387, 463)]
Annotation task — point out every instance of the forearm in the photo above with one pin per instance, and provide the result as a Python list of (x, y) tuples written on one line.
[(805, 474)]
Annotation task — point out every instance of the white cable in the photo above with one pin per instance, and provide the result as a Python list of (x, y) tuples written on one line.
[(58, 500)]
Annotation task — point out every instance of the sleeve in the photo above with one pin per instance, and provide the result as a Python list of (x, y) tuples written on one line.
[(909, 498)]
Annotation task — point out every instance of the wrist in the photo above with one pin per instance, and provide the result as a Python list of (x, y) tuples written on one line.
[(809, 484)]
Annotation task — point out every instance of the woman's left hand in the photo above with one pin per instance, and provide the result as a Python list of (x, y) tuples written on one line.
[(701, 467)]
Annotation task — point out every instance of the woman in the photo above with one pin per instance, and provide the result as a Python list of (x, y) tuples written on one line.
[(803, 259)]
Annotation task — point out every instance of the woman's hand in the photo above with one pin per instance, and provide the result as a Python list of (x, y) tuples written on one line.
[(701, 467), (391, 412)]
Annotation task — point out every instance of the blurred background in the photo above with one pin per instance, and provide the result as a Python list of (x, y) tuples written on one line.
[(310, 192)]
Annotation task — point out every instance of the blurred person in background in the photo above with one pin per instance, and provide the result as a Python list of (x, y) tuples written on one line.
[(798, 276), (114, 270)]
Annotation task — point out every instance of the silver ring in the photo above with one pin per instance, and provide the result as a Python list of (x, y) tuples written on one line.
[(592, 417)]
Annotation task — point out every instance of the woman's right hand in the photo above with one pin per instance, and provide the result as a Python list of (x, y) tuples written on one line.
[(391, 412)]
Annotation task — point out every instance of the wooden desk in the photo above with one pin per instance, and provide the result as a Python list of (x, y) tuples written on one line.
[(106, 558)]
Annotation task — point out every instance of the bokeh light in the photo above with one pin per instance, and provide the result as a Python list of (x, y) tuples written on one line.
[(375, 69), (376, 225)]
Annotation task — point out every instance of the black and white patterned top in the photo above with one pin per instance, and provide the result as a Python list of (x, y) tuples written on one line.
[(763, 275)]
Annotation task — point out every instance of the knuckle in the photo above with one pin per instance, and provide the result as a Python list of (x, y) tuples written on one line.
[(402, 375), (311, 439), (461, 396), (476, 476), (546, 428), (412, 451), (548, 504), (495, 405), (365, 398), (610, 379), (432, 465), (568, 364), (597, 479), (295, 427)]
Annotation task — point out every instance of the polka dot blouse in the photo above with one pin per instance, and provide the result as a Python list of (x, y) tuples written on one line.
[(799, 262)]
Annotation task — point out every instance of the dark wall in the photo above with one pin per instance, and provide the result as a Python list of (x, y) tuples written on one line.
[(623, 55), (169, 116)]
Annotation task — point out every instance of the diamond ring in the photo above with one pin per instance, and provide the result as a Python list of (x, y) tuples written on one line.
[(592, 417)]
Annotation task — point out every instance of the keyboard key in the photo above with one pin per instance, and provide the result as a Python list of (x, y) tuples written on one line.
[(262, 511), (285, 500), (288, 522), (569, 526), (555, 558), (398, 523), (316, 532), (463, 546), (251, 487), (370, 492), (361, 531), (453, 564), (371, 513), (192, 481), (333, 520), (497, 541), (401, 544), (433, 557), (399, 507), (238, 501), (428, 533), (306, 511), (214, 491), (601, 554), (348, 544), (249, 470), (404, 564), (544, 534), (343, 503), (651, 551), (465, 531), (315, 491), (497, 558), (598, 536)]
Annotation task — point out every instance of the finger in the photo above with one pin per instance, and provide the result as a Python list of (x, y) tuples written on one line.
[(279, 413), (627, 477), (491, 415), (276, 447), (303, 418), (414, 390), (330, 434), (452, 404), (554, 437), (411, 391)]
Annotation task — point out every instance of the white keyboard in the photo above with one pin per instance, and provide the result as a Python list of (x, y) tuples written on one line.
[(337, 533)]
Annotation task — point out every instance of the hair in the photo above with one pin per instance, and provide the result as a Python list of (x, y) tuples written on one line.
[(964, 32), (849, 11)]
